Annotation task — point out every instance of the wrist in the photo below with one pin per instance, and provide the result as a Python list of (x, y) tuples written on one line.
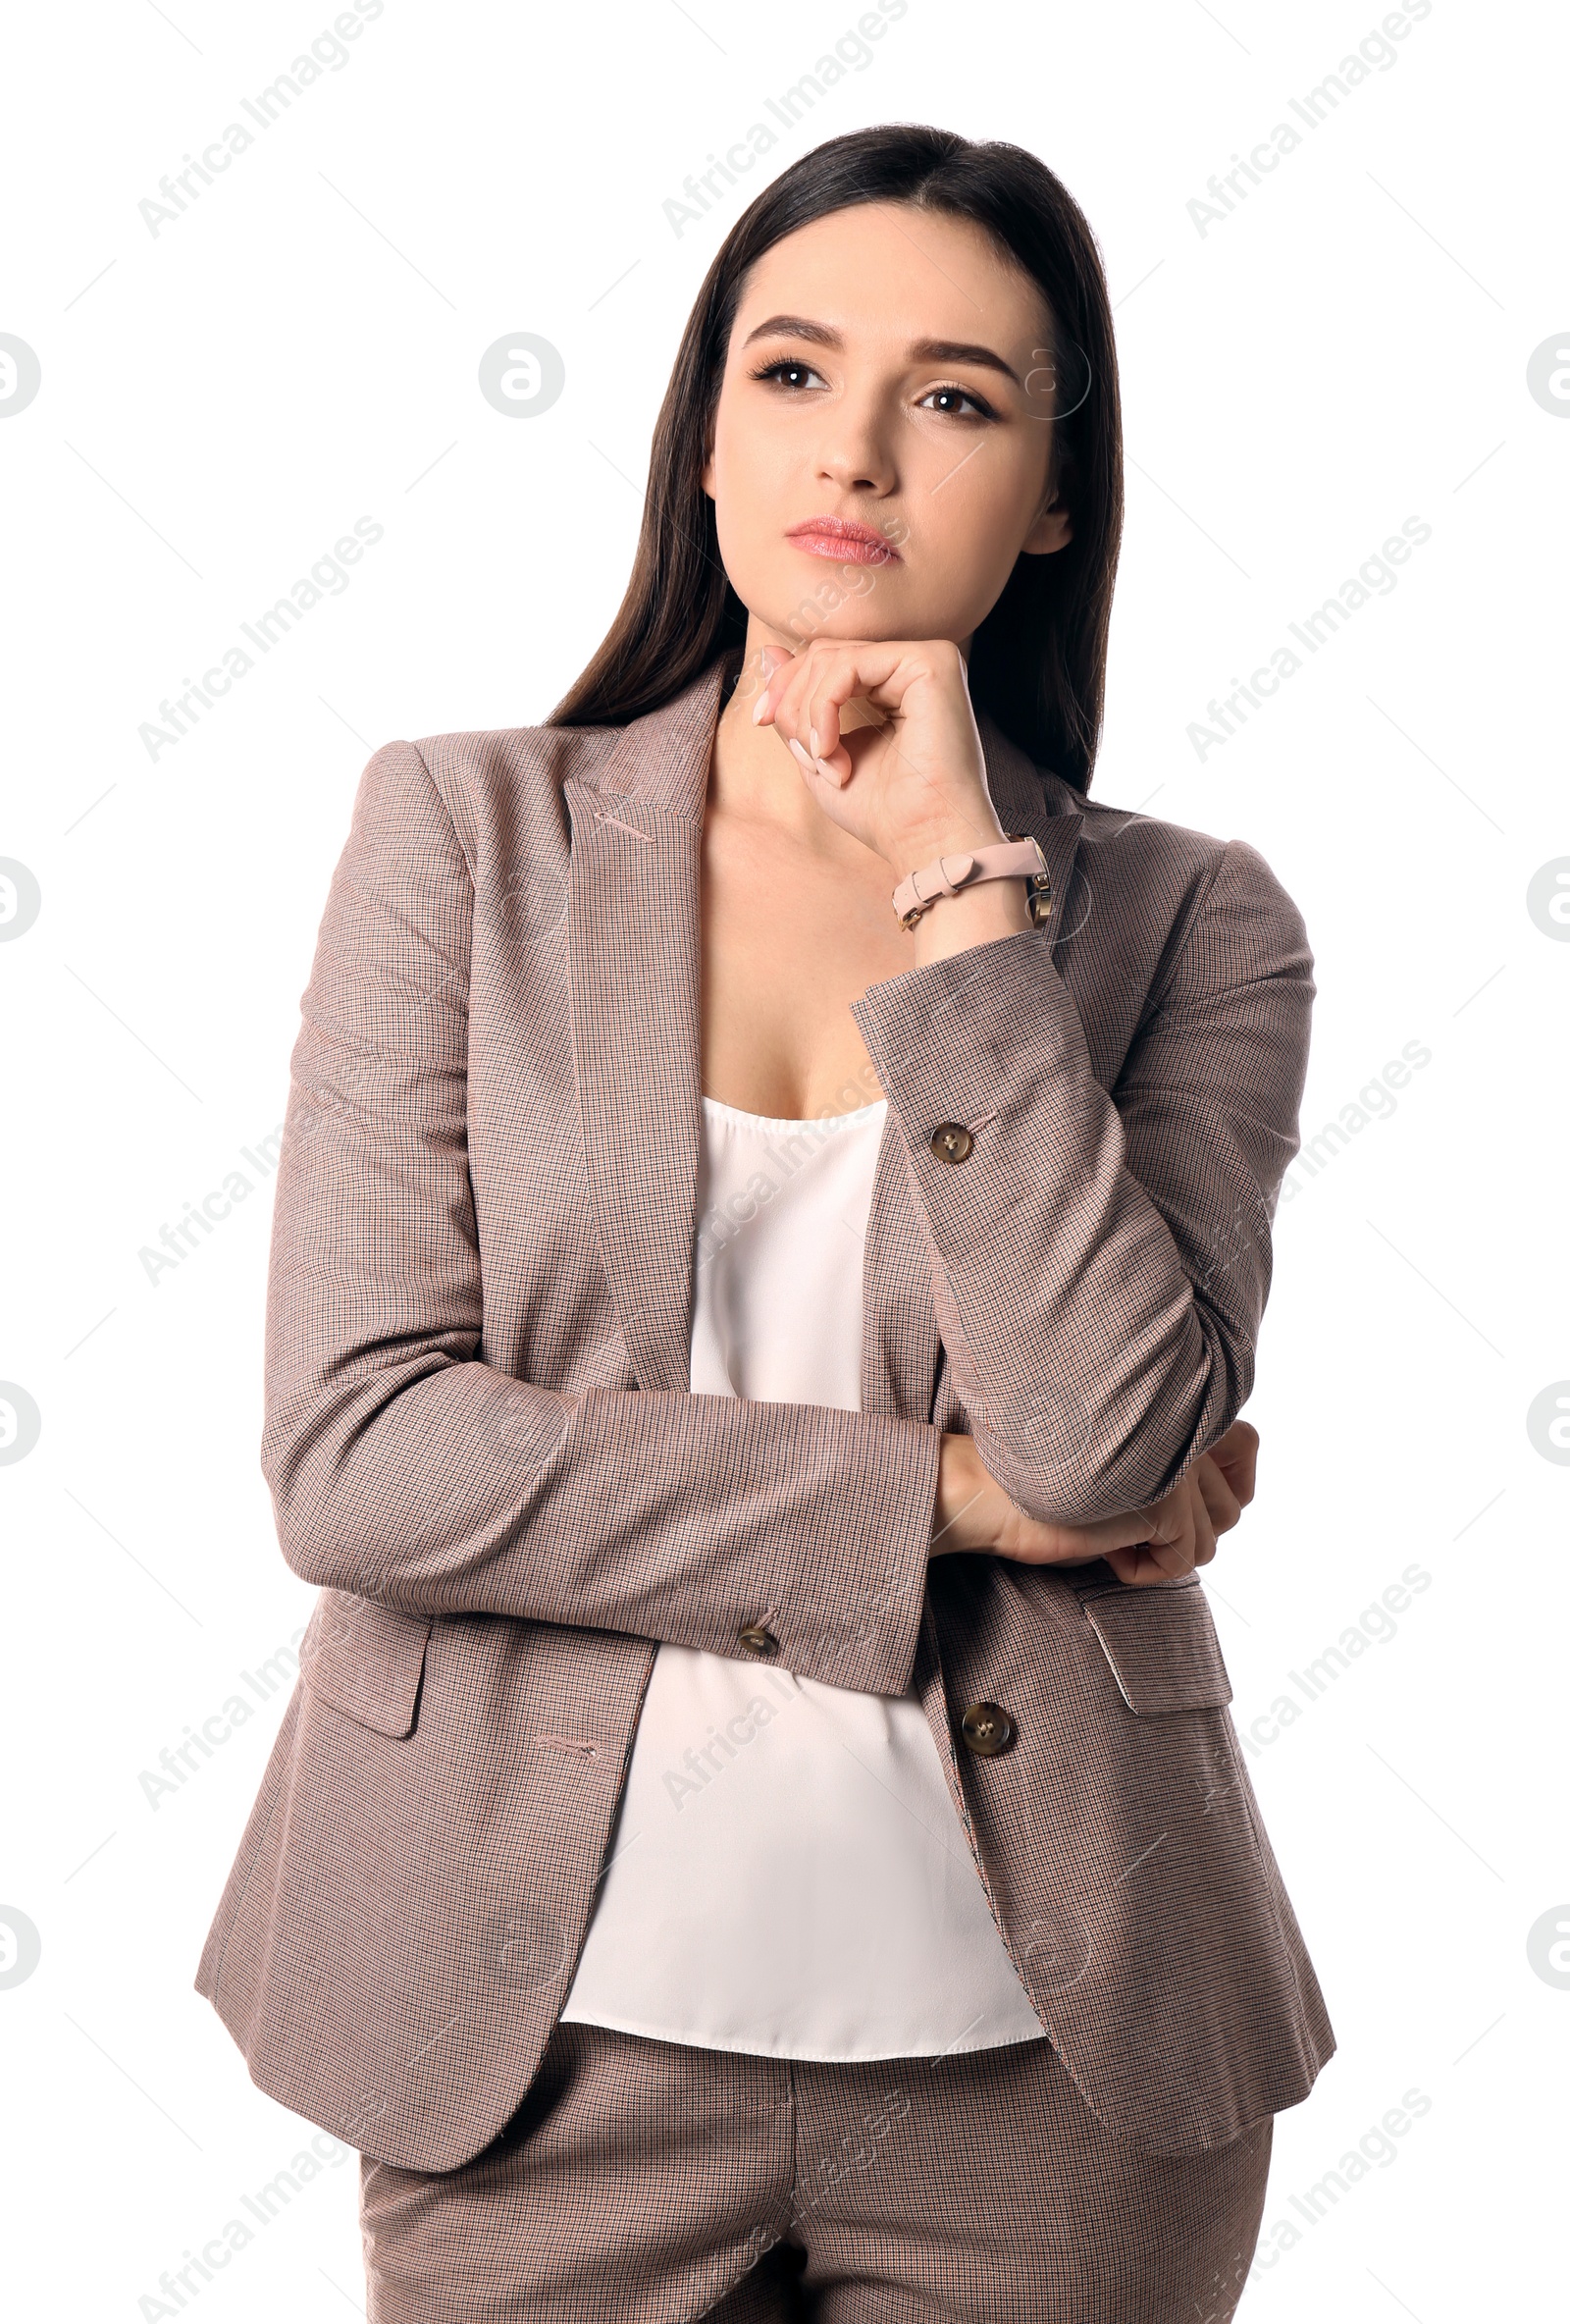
[(959, 1482), (975, 894), (976, 916), (915, 845)]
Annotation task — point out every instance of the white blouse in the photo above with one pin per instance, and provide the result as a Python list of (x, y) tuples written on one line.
[(788, 1874)]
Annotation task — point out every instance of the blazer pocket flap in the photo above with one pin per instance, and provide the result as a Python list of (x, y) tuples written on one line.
[(1162, 1646), (365, 1660)]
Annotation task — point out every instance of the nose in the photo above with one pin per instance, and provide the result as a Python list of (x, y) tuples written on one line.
[(854, 452)]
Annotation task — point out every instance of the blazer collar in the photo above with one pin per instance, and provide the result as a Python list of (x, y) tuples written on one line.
[(634, 960)]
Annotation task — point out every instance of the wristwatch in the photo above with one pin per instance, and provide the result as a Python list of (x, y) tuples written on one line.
[(1019, 854)]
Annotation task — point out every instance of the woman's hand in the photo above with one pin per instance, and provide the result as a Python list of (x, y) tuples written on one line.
[(904, 771), (1169, 1539)]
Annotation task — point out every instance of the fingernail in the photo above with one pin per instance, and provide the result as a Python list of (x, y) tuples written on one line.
[(760, 707), (829, 773), (799, 755), (812, 740)]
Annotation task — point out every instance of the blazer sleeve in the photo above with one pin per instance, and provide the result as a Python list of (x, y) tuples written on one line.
[(405, 1469), (1100, 1263)]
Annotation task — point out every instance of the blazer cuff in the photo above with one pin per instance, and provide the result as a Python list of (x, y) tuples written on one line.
[(813, 1521)]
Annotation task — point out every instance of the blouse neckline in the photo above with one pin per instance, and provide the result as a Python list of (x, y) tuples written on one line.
[(733, 1113)]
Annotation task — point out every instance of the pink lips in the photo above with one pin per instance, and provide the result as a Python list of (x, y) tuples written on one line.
[(846, 543)]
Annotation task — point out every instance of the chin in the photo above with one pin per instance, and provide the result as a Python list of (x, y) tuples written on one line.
[(827, 608)]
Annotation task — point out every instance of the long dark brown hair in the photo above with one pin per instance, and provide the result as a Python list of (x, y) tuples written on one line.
[(1038, 661)]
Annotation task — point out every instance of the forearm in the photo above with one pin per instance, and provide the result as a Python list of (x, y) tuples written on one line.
[(1099, 1268), (450, 1488)]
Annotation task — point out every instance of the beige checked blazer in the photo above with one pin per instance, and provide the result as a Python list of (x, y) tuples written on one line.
[(483, 1451)]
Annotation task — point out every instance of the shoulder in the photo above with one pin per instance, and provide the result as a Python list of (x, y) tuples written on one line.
[(1158, 908), (1171, 866), (508, 758), (490, 785), (1134, 877), (1169, 875)]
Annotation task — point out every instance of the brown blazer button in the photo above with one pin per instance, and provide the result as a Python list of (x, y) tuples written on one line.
[(988, 1729), (757, 1640), (951, 1142)]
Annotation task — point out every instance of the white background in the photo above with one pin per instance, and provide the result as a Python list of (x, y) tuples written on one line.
[(1346, 350)]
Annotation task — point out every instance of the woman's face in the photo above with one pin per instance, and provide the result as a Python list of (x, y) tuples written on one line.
[(888, 371)]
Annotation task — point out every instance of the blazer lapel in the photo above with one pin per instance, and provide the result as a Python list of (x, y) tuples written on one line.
[(634, 960)]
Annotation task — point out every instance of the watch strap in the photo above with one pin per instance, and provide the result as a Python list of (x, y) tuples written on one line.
[(1016, 857)]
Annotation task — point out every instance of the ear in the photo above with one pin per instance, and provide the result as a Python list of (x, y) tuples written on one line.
[(1053, 528)]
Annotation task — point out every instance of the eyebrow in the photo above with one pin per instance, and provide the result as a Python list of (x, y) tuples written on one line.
[(921, 350)]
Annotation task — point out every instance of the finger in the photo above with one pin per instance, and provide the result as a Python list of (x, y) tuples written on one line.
[(1170, 1547), (810, 710), (1173, 1558), (1179, 1536), (788, 697), (829, 674), (841, 680), (1236, 1455), (783, 712), (772, 660), (1220, 1503), (831, 684), (1139, 1566), (1124, 1564)]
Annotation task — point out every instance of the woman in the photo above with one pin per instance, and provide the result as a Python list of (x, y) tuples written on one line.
[(753, 1372)]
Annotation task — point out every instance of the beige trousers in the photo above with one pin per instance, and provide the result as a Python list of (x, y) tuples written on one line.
[(650, 2183)]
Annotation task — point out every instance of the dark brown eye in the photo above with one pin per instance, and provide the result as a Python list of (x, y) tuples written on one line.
[(789, 370), (949, 400)]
